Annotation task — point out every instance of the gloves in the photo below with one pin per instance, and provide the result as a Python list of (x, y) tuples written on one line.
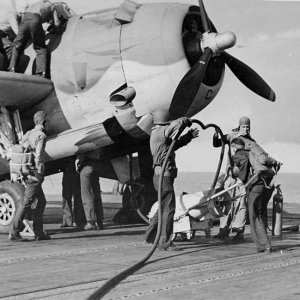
[(41, 168), (277, 166), (78, 165), (186, 121), (194, 132)]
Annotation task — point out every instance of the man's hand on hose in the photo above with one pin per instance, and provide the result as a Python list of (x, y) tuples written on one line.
[(186, 122), (194, 132)]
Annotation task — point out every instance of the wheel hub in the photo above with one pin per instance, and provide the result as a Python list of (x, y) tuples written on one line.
[(7, 209)]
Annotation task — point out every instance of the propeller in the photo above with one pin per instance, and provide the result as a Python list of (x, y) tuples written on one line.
[(248, 77), (189, 85), (211, 43)]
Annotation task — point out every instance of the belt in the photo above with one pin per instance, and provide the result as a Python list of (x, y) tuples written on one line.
[(171, 172), (29, 14)]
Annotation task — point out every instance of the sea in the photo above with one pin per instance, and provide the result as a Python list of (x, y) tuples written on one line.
[(192, 182)]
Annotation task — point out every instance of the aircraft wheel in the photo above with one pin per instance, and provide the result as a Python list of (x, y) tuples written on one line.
[(11, 197)]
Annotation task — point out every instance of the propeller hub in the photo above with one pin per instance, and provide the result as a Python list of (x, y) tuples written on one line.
[(218, 42)]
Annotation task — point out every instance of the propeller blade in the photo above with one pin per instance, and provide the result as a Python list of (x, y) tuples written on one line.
[(249, 77), (204, 17), (189, 85)]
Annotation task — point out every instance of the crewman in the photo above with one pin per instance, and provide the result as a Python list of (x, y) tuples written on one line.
[(235, 220), (71, 190), (9, 24), (31, 27), (88, 165), (260, 191), (34, 139), (160, 141)]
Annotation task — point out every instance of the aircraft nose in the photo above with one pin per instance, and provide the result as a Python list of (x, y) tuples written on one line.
[(225, 40)]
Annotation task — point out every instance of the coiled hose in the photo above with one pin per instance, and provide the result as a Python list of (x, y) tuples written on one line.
[(114, 281)]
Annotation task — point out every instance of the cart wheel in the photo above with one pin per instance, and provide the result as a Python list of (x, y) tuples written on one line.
[(188, 235), (207, 233)]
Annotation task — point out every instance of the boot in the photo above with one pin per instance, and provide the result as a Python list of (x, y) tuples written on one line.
[(223, 234), (239, 234)]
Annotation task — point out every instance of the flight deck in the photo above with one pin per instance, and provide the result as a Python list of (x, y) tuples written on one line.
[(73, 264)]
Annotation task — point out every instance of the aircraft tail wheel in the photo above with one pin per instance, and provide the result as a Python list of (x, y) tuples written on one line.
[(11, 197)]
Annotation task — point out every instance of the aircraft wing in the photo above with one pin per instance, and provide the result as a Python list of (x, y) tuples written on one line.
[(23, 91)]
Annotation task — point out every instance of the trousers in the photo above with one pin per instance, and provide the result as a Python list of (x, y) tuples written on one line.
[(235, 214), (31, 28), (90, 191), (168, 211), (71, 190), (258, 199), (33, 192)]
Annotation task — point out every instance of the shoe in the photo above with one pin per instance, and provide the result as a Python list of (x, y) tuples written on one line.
[(100, 225), (42, 74), (44, 237), (12, 70), (80, 227), (169, 248), (65, 225), (269, 250), (15, 237), (221, 236), (89, 226), (238, 237)]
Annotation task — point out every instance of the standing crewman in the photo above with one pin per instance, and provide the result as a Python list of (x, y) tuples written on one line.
[(160, 142), (259, 190), (235, 220), (34, 139), (31, 27), (88, 165), (71, 189)]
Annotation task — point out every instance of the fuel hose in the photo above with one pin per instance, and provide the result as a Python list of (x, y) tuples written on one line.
[(114, 281)]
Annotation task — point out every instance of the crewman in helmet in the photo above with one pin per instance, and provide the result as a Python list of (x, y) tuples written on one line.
[(36, 140), (160, 140), (259, 192), (235, 220)]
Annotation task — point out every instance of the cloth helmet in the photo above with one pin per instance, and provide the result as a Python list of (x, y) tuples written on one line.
[(244, 121), (39, 117)]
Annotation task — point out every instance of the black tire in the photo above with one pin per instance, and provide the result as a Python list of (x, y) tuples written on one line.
[(11, 197)]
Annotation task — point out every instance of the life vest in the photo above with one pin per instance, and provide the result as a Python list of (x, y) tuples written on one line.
[(22, 158)]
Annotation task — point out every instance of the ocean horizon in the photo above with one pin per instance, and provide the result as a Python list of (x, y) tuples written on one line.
[(190, 182)]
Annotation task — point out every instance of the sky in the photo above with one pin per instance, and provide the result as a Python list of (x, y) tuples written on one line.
[(268, 40)]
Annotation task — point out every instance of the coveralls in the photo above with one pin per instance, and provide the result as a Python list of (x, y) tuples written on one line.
[(31, 27), (71, 189), (160, 141), (236, 217), (36, 139), (259, 193), (90, 187), (8, 30)]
